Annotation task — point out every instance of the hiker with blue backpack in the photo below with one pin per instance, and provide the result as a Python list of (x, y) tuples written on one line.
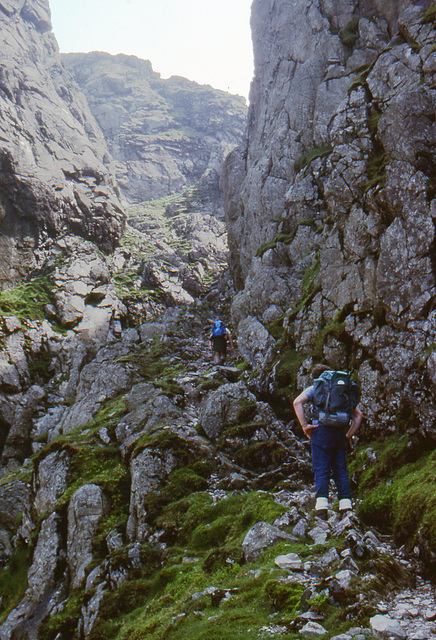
[(218, 341), (335, 420)]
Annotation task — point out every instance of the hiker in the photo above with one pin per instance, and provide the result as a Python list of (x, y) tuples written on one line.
[(329, 442), (218, 341)]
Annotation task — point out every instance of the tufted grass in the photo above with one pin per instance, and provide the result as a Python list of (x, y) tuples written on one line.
[(64, 623), (429, 15), (305, 160), (350, 33), (27, 301)]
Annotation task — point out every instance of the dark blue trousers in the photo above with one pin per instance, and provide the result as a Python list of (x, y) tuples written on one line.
[(329, 452)]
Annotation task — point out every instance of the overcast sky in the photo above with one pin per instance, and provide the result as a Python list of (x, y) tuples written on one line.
[(208, 41)]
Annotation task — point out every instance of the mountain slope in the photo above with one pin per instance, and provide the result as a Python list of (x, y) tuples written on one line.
[(163, 134)]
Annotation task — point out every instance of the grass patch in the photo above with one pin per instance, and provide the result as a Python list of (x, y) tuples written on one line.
[(198, 523), (154, 363), (376, 168), (305, 160), (27, 301), (286, 238), (429, 15), (13, 579), (64, 623), (350, 33), (359, 79)]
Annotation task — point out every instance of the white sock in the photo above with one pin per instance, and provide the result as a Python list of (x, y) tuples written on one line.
[(344, 504), (321, 504)]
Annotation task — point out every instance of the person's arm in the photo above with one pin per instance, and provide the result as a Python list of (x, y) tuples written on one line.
[(299, 403), (355, 423), (229, 335)]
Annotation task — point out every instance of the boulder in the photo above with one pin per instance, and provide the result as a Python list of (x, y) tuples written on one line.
[(148, 471), (312, 630), (261, 536), (15, 499), (255, 343), (42, 576), (87, 507), (51, 481), (220, 408), (384, 627), (290, 561)]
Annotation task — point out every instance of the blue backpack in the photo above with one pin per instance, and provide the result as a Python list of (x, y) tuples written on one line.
[(335, 397), (218, 328)]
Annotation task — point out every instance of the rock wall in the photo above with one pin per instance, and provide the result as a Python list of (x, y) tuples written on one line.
[(331, 204), (56, 174), (163, 134)]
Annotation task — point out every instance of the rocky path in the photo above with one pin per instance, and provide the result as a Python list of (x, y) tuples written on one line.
[(136, 459)]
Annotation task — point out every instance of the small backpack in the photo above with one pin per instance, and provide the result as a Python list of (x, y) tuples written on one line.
[(335, 397), (218, 328)]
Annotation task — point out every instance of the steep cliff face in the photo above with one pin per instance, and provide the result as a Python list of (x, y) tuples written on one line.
[(55, 170), (331, 205), (163, 134)]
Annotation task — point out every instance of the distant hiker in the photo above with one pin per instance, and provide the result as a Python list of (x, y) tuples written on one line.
[(218, 341), (335, 419)]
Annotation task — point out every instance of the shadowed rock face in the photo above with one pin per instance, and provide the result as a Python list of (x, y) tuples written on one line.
[(56, 174), (331, 205), (163, 134)]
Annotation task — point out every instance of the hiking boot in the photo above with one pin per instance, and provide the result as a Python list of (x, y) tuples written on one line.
[(321, 514)]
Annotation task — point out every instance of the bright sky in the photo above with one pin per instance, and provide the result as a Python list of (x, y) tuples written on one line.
[(207, 41)]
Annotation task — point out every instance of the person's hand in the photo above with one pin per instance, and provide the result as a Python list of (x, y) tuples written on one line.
[(308, 430)]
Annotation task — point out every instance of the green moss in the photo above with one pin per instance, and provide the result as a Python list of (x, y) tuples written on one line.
[(247, 410), (163, 440), (276, 329), (174, 613), (399, 490), (97, 465), (124, 282), (197, 522), (374, 118), (305, 160), (27, 301), (210, 535), (261, 455), (129, 596), (243, 430)]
